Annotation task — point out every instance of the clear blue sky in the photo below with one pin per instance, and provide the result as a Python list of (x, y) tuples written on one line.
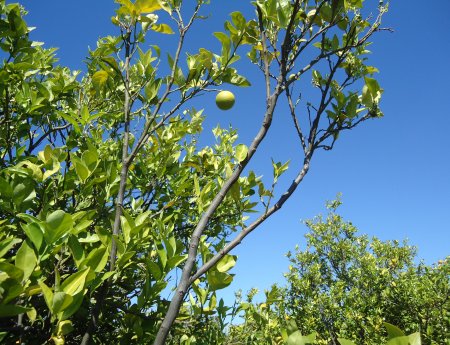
[(394, 173)]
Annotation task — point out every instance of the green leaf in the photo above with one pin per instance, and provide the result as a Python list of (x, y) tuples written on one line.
[(72, 118), (326, 13), (148, 6), (366, 98), (57, 224), (399, 341), (218, 280), (85, 114), (335, 42), (352, 4), (415, 339), (61, 301), (126, 229), (46, 155), (291, 326), (126, 8), (196, 185), (235, 192), (162, 28), (22, 193), (155, 270), (296, 338), (179, 77), (76, 249), (6, 190), (10, 288), (343, 341), (32, 313), (96, 259), (393, 331), (99, 78), (371, 70), (238, 20), (142, 218), (26, 260), (64, 327), (171, 246), (279, 169), (284, 10), (72, 308), (162, 253), (125, 259), (202, 294), (12, 271), (80, 226), (53, 170), (12, 310), (352, 106), (35, 233), (111, 62), (226, 263), (48, 295), (90, 158), (151, 90), (226, 45), (241, 152), (7, 244), (373, 85), (238, 80), (317, 78), (176, 260), (35, 169), (75, 283)]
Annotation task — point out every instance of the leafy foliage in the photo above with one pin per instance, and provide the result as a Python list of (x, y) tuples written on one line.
[(349, 288), (60, 157), (108, 202)]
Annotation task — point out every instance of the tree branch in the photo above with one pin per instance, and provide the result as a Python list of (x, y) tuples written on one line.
[(185, 282), (238, 239)]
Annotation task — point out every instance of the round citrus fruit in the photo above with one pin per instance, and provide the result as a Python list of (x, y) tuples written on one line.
[(225, 100)]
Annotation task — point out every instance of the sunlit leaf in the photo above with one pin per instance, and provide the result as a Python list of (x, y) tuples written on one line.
[(162, 28), (296, 338), (48, 294), (393, 331), (241, 152), (148, 6), (226, 263), (218, 280), (57, 224), (75, 282), (61, 301), (12, 271), (99, 78)]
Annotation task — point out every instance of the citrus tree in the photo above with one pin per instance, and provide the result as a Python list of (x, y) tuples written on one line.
[(107, 200), (345, 285)]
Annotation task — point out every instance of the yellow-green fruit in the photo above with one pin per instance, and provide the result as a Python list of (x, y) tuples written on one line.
[(225, 100)]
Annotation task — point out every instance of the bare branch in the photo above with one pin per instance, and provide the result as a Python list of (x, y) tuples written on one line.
[(124, 171), (32, 145), (295, 120), (264, 52), (238, 239)]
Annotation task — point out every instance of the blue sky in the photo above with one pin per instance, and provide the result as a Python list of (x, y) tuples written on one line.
[(393, 172)]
